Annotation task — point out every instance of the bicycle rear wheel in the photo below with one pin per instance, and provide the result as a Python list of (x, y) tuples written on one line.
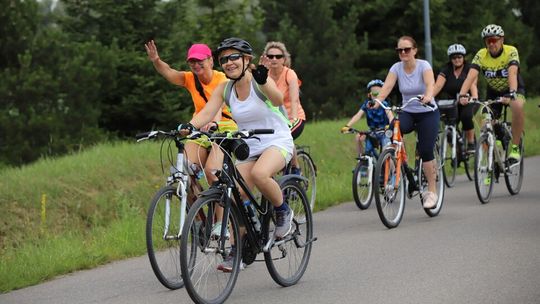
[(163, 237), (440, 184), (468, 158), (362, 186), (389, 195), (309, 171), (483, 172), (287, 260), (513, 174), (449, 162), (201, 256)]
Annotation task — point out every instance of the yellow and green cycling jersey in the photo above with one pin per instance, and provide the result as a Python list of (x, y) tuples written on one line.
[(495, 69)]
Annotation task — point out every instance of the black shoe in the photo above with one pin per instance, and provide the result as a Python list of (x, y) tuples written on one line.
[(471, 148)]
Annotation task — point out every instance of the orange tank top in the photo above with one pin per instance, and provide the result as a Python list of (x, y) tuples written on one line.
[(283, 86), (198, 101)]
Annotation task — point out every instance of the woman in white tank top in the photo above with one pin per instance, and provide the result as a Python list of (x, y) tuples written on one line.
[(250, 111)]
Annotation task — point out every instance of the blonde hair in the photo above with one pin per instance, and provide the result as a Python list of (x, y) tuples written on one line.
[(280, 46)]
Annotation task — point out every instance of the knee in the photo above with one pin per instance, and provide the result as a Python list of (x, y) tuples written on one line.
[(259, 175)]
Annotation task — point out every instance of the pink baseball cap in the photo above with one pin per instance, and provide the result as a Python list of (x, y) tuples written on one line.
[(199, 51)]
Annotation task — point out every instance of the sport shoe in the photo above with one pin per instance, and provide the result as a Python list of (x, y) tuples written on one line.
[(283, 223), (295, 170), (515, 154), (430, 200), (216, 231), (471, 149), (227, 264)]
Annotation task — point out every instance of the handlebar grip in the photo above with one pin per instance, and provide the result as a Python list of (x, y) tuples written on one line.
[(263, 131), (429, 105), (142, 135)]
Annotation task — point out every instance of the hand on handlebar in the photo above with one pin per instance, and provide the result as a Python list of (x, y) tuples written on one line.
[(185, 128), (345, 129)]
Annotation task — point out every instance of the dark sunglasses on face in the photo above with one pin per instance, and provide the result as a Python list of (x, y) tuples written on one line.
[(278, 56), (195, 62), (492, 40), (406, 50), (457, 57), (232, 57)]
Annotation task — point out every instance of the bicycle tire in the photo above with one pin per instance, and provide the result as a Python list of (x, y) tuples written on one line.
[(362, 186), (449, 162), (390, 211), (513, 175), (440, 185), (164, 253), (287, 262), (309, 171), (468, 159), (483, 176), (200, 257)]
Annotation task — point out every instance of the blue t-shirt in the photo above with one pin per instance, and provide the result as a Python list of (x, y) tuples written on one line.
[(376, 118)]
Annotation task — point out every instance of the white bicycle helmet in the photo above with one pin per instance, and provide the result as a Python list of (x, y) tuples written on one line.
[(456, 49), (492, 30)]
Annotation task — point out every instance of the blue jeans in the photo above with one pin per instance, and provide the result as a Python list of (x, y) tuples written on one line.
[(370, 149)]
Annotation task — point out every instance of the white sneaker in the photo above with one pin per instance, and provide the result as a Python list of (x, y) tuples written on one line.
[(216, 231), (430, 200), (283, 223)]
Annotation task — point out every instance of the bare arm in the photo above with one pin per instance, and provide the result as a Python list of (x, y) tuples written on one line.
[(355, 118), (439, 84), (172, 75), (429, 81), (389, 83), (294, 94), (474, 88), (472, 78), (212, 108), (512, 77), (271, 91)]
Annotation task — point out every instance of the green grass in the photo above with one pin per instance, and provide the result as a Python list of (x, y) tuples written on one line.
[(86, 209)]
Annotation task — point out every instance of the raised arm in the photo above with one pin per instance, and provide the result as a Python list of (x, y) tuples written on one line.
[(172, 75), (211, 109)]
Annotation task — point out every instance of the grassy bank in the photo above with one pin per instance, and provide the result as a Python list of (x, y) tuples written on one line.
[(79, 211)]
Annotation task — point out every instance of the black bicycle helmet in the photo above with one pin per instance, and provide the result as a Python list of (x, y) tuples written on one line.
[(235, 43)]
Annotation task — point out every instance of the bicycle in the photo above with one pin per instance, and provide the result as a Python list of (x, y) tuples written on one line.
[(389, 182), (453, 143), (168, 209), (491, 157), (308, 169), (200, 253), (362, 180)]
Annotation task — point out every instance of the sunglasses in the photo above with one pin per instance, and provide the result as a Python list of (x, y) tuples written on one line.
[(231, 57), (456, 57), (492, 40), (192, 63), (406, 50), (374, 94), (279, 56)]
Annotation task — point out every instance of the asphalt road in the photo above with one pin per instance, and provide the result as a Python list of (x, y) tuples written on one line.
[(470, 253)]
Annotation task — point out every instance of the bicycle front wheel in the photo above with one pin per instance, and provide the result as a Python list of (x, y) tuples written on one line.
[(389, 189), (309, 171), (483, 170), (288, 258), (449, 158), (513, 173), (209, 270), (163, 237), (439, 184), (362, 187)]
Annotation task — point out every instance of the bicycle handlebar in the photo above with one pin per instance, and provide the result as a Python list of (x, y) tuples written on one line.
[(399, 108)]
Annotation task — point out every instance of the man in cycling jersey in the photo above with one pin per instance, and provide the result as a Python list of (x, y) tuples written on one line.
[(499, 63)]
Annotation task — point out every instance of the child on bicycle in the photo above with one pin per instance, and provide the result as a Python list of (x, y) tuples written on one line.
[(376, 118)]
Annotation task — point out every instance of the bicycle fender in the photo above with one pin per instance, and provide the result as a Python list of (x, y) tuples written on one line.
[(210, 191), (295, 177)]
